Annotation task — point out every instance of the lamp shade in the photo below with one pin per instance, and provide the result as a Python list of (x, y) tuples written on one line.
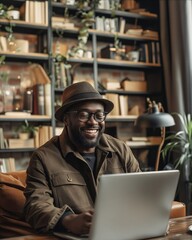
[(154, 119)]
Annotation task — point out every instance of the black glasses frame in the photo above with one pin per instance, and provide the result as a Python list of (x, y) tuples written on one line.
[(89, 115)]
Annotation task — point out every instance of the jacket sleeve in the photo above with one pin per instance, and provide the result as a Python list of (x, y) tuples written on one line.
[(39, 210)]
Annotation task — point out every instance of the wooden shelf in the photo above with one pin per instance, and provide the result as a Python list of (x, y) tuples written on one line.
[(38, 56), (128, 118), (16, 150), (14, 118), (123, 63), (126, 14), (24, 23), (123, 36)]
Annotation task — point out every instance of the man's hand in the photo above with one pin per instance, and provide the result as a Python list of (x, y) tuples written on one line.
[(78, 223)]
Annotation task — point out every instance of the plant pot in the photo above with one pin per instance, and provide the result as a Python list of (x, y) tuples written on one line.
[(187, 170), (24, 136), (13, 14)]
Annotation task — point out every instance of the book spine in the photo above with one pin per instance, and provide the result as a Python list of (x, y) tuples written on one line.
[(39, 101), (28, 101), (47, 89)]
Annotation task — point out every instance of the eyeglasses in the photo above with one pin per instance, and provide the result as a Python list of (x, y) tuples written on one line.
[(84, 116)]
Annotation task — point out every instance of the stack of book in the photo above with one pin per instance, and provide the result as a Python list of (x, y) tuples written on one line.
[(20, 143), (3, 141), (7, 165), (41, 91), (35, 12), (62, 22), (42, 135)]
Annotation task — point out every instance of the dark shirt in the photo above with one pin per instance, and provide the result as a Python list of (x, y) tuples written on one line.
[(90, 159)]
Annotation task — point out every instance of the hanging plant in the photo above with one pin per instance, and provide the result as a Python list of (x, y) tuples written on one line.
[(2, 60), (61, 58), (9, 28), (86, 13), (4, 9)]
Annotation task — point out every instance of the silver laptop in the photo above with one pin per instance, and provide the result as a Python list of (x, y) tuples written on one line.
[(132, 206)]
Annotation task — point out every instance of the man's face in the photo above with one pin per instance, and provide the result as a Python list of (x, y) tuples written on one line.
[(85, 134)]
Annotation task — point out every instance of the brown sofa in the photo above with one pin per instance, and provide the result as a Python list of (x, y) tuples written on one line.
[(12, 200)]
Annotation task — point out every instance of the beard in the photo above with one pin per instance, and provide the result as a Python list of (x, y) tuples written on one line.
[(80, 140)]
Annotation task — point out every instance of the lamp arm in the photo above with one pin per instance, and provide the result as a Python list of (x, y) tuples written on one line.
[(159, 148)]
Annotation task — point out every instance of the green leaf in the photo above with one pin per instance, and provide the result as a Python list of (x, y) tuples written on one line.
[(181, 141)]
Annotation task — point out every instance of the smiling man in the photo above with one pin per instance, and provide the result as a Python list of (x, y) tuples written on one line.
[(63, 174)]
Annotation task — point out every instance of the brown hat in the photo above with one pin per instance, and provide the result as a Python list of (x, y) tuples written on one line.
[(81, 92)]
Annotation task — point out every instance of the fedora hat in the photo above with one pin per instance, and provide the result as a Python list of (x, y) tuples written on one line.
[(80, 92)]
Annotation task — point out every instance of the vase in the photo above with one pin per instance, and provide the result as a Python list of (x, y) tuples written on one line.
[(24, 136)]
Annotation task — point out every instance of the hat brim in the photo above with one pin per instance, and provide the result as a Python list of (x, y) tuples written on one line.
[(108, 106)]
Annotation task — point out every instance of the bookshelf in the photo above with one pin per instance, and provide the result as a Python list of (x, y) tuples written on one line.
[(24, 67), (91, 66)]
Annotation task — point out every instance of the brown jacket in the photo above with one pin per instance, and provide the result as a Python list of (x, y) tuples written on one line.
[(60, 179)]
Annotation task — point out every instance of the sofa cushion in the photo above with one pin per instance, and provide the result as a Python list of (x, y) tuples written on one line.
[(12, 201), (12, 197)]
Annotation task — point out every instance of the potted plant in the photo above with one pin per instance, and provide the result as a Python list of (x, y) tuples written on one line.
[(180, 142), (4, 9), (178, 153), (26, 130), (4, 13)]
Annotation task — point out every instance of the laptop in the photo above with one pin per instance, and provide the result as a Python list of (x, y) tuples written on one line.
[(132, 206)]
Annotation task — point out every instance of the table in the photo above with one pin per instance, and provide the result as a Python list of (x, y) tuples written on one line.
[(178, 230)]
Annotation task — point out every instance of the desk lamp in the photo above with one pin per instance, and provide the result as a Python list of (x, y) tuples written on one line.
[(155, 117)]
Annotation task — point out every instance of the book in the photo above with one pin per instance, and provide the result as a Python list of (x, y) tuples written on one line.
[(46, 13), (23, 11), (37, 12), (43, 134), (136, 31), (3, 140), (39, 99), (115, 99), (31, 11), (149, 14), (153, 49), (150, 33), (36, 138), (62, 22), (134, 86), (20, 143), (157, 50), (146, 47), (28, 101), (63, 75), (110, 84), (142, 55), (123, 102), (138, 143), (42, 12), (47, 99), (18, 114), (137, 10), (7, 165), (3, 43), (122, 26)]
